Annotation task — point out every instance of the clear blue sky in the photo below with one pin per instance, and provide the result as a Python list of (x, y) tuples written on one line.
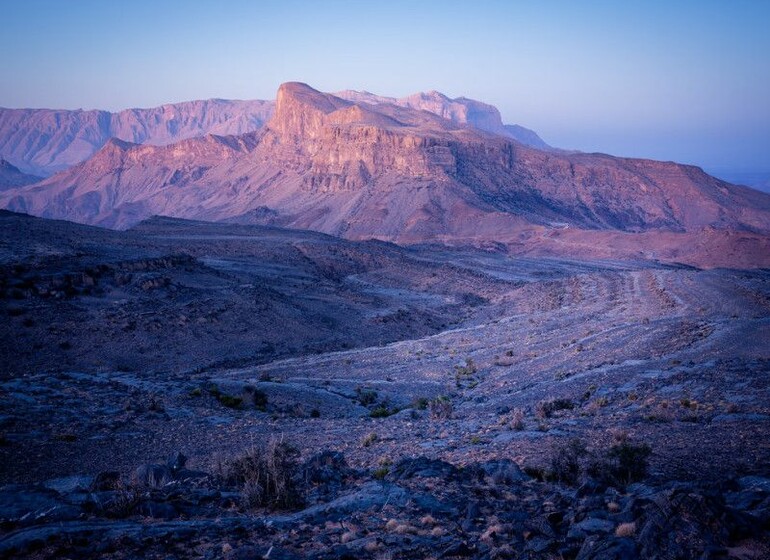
[(681, 80)]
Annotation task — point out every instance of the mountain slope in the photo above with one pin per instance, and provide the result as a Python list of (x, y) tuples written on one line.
[(359, 170), (11, 177)]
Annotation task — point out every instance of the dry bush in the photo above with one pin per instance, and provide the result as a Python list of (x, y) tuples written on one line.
[(267, 476), (625, 530), (566, 462), (441, 408), (545, 409)]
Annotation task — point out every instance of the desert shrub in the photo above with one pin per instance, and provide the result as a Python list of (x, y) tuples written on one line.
[(366, 397), (121, 503), (421, 403), (382, 411), (545, 409), (622, 464), (468, 369), (380, 472), (259, 398), (266, 476), (516, 419), (441, 408), (566, 461), (229, 401), (369, 439)]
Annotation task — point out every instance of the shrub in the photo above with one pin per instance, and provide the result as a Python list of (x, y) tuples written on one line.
[(259, 398), (366, 397), (468, 369), (230, 401), (382, 411), (315, 413), (421, 403), (267, 476), (441, 408), (369, 439), (545, 409), (623, 463), (380, 472), (625, 530), (566, 462)]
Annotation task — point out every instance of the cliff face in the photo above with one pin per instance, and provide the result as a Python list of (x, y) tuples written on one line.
[(383, 170)]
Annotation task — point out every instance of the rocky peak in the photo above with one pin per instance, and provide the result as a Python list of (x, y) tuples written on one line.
[(300, 110)]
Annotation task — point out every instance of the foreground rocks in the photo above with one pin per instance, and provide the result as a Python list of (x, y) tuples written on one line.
[(417, 508)]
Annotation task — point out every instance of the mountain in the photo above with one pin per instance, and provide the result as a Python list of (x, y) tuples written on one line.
[(11, 177), (360, 170), (461, 111), (44, 141)]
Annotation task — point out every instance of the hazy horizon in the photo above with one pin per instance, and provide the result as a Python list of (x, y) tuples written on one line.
[(688, 82)]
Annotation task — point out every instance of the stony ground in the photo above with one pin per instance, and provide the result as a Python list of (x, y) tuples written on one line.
[(438, 399)]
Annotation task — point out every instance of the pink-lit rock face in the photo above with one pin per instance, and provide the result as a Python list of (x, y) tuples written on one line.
[(45, 141), (387, 170)]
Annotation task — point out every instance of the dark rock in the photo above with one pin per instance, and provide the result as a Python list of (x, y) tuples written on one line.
[(158, 510), (539, 544), (614, 549), (423, 467), (595, 525), (325, 468), (504, 472), (106, 480), (176, 462), (461, 549)]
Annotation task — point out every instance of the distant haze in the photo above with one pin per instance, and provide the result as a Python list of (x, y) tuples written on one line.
[(684, 81)]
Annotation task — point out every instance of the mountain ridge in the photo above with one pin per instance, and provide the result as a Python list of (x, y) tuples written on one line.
[(359, 170), (45, 141)]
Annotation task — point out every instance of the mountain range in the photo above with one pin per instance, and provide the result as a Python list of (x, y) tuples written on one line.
[(45, 141), (421, 169)]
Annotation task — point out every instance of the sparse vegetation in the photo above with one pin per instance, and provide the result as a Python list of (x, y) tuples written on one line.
[(370, 439), (622, 464), (366, 397), (566, 461), (229, 401), (266, 476), (421, 403), (441, 408), (546, 409), (383, 411), (380, 472)]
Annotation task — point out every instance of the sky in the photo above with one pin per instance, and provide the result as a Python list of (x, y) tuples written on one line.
[(678, 80)]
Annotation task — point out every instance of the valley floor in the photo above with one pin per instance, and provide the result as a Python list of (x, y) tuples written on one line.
[(441, 402)]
